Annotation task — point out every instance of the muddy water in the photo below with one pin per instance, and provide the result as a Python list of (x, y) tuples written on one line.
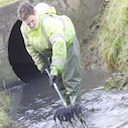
[(34, 104)]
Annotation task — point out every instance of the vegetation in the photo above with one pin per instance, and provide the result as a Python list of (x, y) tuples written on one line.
[(117, 80), (89, 48), (4, 105), (113, 35), (109, 43), (113, 42), (3, 2)]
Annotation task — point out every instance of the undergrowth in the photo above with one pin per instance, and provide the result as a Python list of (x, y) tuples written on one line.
[(3, 2), (4, 106), (113, 35)]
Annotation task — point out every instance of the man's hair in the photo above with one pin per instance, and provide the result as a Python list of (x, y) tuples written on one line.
[(25, 9)]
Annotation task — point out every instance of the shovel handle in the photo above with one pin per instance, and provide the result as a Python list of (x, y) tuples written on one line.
[(57, 90)]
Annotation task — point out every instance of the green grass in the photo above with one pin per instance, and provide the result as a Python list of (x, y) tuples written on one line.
[(117, 80), (3, 119), (112, 43), (113, 35), (4, 106), (3, 2)]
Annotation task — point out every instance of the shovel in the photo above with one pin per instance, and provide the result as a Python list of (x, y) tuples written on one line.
[(67, 113)]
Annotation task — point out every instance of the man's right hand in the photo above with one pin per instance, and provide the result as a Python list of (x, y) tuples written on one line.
[(43, 69), (52, 79)]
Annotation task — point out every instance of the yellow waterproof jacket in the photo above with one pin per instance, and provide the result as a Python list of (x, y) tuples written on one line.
[(50, 37)]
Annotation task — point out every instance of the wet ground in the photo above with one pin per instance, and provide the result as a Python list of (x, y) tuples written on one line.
[(34, 104)]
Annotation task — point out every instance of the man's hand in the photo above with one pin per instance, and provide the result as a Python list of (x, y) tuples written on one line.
[(52, 79), (43, 69)]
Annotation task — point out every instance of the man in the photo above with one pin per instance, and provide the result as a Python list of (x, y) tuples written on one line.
[(48, 36)]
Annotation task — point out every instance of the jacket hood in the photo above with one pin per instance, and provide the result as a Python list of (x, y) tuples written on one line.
[(43, 8)]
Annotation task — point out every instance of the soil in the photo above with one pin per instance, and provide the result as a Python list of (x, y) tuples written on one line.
[(89, 54), (89, 47)]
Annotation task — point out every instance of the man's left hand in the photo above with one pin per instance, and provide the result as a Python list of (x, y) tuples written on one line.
[(43, 69)]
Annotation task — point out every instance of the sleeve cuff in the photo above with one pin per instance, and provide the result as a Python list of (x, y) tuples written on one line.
[(54, 72)]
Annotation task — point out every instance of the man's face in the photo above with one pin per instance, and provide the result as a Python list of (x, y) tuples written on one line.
[(31, 21)]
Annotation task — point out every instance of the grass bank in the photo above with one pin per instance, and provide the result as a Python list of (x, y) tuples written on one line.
[(4, 106), (112, 43), (108, 45), (89, 46), (110, 40), (113, 36), (3, 2)]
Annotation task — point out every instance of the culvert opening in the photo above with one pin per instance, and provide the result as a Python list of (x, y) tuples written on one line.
[(20, 60)]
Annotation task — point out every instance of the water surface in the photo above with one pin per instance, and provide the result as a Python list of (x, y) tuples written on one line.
[(35, 104)]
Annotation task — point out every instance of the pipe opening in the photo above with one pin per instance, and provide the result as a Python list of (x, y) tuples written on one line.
[(19, 59)]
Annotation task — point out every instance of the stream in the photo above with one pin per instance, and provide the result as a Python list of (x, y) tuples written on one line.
[(34, 104)]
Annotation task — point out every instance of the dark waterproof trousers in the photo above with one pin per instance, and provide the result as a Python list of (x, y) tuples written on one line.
[(69, 80)]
